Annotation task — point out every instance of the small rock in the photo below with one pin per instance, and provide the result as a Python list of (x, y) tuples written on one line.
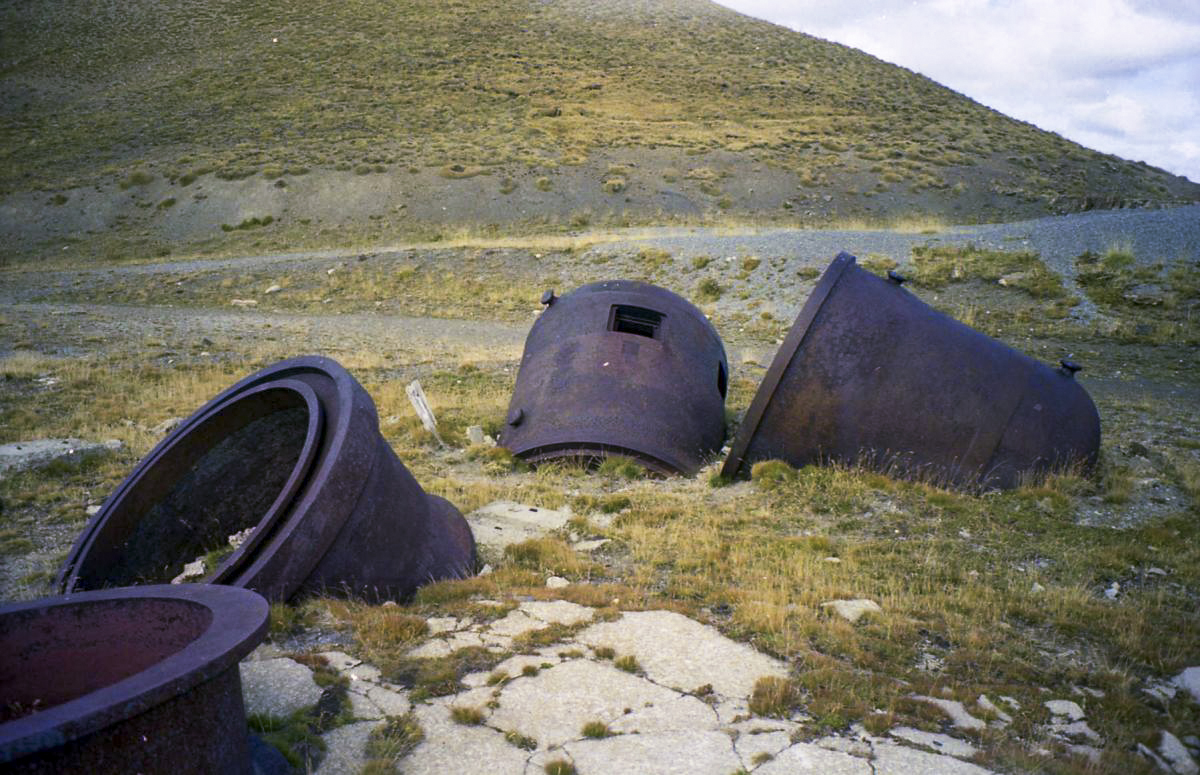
[(833, 560), (1065, 708), (1037, 588), (1014, 279), (955, 710), (243, 303), (193, 570), (166, 426), (1155, 572), (1189, 681), (1146, 295), (985, 704), (589, 546), (557, 582), (853, 610), (1113, 590), (1177, 755), (93, 510), (475, 434), (937, 742), (239, 538), (441, 624), (273, 289)]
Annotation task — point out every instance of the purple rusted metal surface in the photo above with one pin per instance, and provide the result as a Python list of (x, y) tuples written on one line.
[(870, 374), (293, 455), (620, 368), (141, 679)]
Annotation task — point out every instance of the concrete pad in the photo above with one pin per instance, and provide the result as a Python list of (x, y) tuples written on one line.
[(277, 687), (681, 653), (501, 523), (346, 748), (463, 750), (23, 455), (892, 759), (687, 752), (809, 759), (752, 745), (939, 743), (553, 706)]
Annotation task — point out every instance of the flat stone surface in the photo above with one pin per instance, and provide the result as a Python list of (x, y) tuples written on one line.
[(346, 748), (853, 610), (554, 706), (23, 455), (512, 667), (687, 752), (1065, 708), (340, 660), (681, 653), (440, 647), (501, 523), (749, 746), (936, 742), (389, 702), (516, 623), (462, 750), (891, 759), (1189, 681), (558, 611), (987, 705), (809, 759), (440, 624), (277, 687), (955, 710)]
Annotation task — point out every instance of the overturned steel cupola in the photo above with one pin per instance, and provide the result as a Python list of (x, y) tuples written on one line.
[(870, 374), (620, 368), (290, 460), (141, 679)]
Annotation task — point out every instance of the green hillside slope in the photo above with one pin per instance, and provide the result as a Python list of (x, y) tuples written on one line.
[(681, 95)]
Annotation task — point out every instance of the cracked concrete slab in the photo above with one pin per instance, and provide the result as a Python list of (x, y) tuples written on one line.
[(684, 654), (554, 706), (686, 752), (277, 687), (463, 750), (346, 748)]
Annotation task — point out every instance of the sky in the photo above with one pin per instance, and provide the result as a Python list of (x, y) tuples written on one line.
[(1119, 76)]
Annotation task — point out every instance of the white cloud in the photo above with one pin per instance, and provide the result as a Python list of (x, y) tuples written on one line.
[(1121, 76)]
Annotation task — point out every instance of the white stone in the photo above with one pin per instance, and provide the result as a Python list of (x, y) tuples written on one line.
[(1091, 752), (853, 610), (92, 510), (1177, 755), (558, 611), (936, 742), (985, 704), (1113, 590), (1065, 708), (22, 455), (892, 759), (192, 570), (678, 652), (557, 582), (441, 647), (243, 303), (955, 710), (277, 687), (501, 523), (686, 752), (346, 748), (1076, 730), (1189, 681), (516, 623), (273, 289), (809, 758), (590, 545), (553, 706), (440, 624), (464, 750), (167, 425)]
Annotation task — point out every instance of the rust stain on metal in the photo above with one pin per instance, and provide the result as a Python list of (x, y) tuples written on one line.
[(140, 679), (294, 454), (620, 368), (870, 374)]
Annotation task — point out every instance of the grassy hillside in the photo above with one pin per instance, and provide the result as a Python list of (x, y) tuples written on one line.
[(680, 95)]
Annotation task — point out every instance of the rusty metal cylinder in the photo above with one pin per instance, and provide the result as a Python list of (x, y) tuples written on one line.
[(141, 679), (620, 368), (292, 462), (869, 374)]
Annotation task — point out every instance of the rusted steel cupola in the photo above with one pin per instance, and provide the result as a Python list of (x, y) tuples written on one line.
[(870, 374), (620, 368), (285, 484)]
